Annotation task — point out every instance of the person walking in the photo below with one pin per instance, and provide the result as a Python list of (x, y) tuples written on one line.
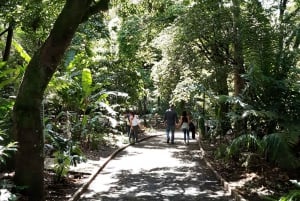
[(170, 121), (192, 128), (184, 124), (127, 119), (134, 127)]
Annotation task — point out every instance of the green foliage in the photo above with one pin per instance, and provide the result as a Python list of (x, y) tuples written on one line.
[(221, 151), (22, 52), (5, 108), (90, 31), (9, 75), (68, 153), (84, 104), (62, 165), (293, 195), (6, 149), (6, 188), (95, 140), (86, 82), (142, 22), (245, 143), (129, 45), (278, 147), (189, 47), (35, 20), (258, 37)]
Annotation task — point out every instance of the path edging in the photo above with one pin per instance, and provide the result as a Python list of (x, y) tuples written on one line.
[(237, 196), (80, 191)]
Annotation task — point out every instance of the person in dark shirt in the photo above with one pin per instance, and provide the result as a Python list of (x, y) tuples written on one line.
[(192, 128), (170, 120), (127, 119)]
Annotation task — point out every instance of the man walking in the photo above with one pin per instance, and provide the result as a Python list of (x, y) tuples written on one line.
[(170, 121)]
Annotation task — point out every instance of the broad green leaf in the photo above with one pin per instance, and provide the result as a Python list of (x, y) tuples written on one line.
[(86, 81), (21, 51)]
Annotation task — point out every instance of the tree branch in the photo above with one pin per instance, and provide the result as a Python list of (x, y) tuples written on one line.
[(3, 32), (101, 5)]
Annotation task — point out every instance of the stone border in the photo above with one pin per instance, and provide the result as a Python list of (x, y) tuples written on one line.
[(234, 192), (237, 196), (83, 188)]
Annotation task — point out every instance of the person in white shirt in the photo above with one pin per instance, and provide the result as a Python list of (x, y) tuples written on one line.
[(134, 127), (184, 124)]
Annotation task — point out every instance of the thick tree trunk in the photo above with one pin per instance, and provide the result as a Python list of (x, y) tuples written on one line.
[(28, 127)]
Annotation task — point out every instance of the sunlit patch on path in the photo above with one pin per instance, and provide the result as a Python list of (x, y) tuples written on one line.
[(155, 170)]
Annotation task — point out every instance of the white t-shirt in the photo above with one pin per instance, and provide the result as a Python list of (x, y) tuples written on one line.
[(135, 120)]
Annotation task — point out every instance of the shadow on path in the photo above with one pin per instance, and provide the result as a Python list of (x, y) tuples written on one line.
[(155, 170)]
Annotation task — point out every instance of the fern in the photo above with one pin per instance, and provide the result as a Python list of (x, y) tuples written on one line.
[(278, 150), (293, 195), (247, 142)]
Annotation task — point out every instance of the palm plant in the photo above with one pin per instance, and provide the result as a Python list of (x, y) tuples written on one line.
[(66, 153), (279, 149), (276, 148)]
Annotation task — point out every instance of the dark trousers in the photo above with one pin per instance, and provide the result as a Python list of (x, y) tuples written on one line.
[(193, 133), (128, 130), (133, 137)]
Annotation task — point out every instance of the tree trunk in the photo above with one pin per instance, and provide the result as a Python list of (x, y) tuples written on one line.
[(221, 87), (238, 68), (8, 42), (28, 127), (222, 107)]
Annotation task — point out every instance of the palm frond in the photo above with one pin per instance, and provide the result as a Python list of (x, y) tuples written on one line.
[(293, 195), (278, 150), (247, 142)]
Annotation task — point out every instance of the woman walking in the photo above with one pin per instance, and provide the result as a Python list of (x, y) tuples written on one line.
[(184, 124)]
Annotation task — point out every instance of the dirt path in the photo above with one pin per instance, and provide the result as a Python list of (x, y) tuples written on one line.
[(155, 170)]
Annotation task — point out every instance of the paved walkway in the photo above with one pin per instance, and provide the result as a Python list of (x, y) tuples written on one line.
[(154, 170)]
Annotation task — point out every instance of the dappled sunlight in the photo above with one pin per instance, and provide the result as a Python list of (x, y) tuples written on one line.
[(155, 170), (245, 178)]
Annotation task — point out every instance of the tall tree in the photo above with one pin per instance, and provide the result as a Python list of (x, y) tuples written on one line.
[(206, 35), (238, 65), (28, 127), (141, 23), (238, 58)]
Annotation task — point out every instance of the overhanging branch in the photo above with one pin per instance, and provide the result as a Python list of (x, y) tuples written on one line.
[(3, 32), (101, 5)]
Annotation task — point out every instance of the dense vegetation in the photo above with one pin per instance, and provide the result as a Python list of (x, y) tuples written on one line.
[(70, 69)]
